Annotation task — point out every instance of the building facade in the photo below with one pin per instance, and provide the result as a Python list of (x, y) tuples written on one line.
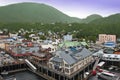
[(69, 62), (107, 38)]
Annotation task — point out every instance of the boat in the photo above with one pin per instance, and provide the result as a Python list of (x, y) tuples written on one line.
[(108, 76), (4, 73)]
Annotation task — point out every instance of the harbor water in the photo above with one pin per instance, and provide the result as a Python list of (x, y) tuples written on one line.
[(23, 75)]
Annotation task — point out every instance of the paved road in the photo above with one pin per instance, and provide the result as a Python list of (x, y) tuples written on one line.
[(94, 78)]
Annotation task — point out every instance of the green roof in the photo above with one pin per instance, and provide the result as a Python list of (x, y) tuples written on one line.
[(84, 43), (72, 43), (69, 43)]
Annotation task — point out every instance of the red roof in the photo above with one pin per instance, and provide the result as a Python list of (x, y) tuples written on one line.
[(26, 40)]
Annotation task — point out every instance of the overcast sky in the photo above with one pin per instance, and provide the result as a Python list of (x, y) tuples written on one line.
[(77, 8)]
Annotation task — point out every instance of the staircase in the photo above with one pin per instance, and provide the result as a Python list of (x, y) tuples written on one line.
[(96, 63), (33, 68)]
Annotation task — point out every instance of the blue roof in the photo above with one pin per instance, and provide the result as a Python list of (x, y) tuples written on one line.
[(10, 38), (73, 49), (110, 44)]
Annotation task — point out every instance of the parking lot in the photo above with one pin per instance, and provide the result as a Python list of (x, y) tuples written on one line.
[(111, 68)]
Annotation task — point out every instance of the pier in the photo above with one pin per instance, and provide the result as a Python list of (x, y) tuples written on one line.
[(13, 67), (51, 74)]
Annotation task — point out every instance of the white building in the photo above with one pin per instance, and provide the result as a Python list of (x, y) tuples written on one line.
[(111, 57), (67, 37), (68, 62), (107, 57), (51, 47), (13, 35)]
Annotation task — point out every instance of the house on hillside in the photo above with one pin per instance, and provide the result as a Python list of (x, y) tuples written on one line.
[(51, 48), (67, 37)]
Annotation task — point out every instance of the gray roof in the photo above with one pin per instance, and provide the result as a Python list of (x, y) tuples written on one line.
[(57, 59), (39, 54), (72, 57), (83, 53), (67, 57)]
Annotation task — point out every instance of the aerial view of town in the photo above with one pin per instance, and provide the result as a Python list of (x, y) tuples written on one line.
[(59, 40)]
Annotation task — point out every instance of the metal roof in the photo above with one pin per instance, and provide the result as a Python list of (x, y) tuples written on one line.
[(83, 53), (71, 57), (57, 59), (67, 57)]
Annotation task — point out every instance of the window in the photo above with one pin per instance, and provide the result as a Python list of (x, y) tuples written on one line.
[(71, 65), (66, 65), (67, 70), (117, 58), (71, 70)]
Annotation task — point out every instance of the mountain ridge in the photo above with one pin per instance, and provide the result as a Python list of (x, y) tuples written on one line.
[(32, 12), (114, 18), (36, 12)]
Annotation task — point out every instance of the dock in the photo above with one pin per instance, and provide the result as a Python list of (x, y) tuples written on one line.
[(43, 70)]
